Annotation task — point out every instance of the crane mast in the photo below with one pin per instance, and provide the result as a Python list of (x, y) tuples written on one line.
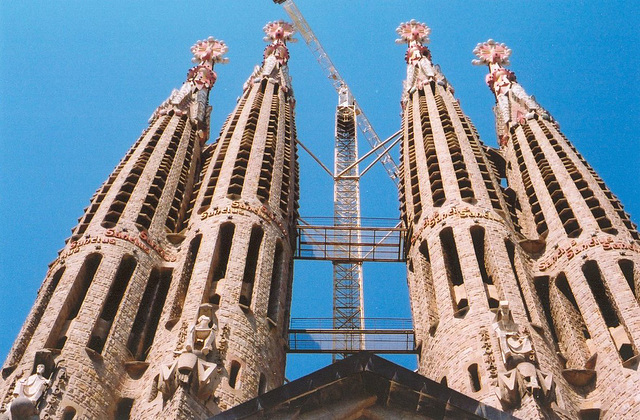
[(348, 305)]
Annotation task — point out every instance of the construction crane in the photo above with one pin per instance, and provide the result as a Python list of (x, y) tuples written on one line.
[(338, 84), (348, 307)]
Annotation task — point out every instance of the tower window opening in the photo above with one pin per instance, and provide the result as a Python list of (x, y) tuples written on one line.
[(276, 285), (477, 236), (74, 301), (146, 322), (454, 273), (185, 280), (536, 210), (563, 286), (156, 190), (175, 218), (541, 284), (628, 270), (435, 176), (69, 413), (262, 384), (220, 261), (266, 172), (566, 215), (608, 309), (511, 251), (413, 168), (230, 126), (251, 263), (429, 289), (288, 171), (123, 409), (455, 151), (241, 163), (234, 374), (474, 377), (104, 323)]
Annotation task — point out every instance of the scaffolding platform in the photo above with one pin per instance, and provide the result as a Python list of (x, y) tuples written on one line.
[(375, 240), (380, 335)]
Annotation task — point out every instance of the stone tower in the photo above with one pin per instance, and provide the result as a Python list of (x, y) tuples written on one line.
[(583, 248), (478, 325), (171, 297), (98, 310), (237, 271)]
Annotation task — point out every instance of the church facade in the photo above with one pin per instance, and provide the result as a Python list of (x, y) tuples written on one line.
[(172, 297)]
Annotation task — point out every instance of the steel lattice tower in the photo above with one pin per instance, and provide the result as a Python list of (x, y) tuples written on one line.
[(348, 306)]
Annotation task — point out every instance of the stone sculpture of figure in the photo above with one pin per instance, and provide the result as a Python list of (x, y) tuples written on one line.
[(32, 387), (201, 333), (522, 376), (516, 347)]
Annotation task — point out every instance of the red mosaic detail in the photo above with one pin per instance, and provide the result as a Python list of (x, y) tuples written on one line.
[(491, 52), (209, 50)]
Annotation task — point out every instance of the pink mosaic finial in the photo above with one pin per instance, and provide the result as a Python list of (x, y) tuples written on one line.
[(279, 31), (206, 53), (491, 52), (202, 76), (209, 51), (413, 31)]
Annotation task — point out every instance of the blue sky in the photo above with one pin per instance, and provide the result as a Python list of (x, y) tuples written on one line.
[(78, 81)]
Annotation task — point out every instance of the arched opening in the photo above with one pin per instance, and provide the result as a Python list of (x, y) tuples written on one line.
[(474, 377), (219, 262), (234, 373), (74, 301), (251, 264), (103, 325)]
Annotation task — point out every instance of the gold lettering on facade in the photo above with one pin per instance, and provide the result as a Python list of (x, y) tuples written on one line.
[(142, 241), (575, 248), (238, 207), (463, 212)]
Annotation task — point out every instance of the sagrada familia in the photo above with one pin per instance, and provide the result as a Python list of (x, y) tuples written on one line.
[(171, 298)]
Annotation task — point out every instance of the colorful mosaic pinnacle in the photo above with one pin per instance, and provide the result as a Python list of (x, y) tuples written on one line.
[(279, 31), (210, 50), (491, 52), (206, 53), (414, 34), (413, 31)]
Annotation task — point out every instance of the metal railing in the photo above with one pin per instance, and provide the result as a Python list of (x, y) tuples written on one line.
[(367, 242), (380, 335)]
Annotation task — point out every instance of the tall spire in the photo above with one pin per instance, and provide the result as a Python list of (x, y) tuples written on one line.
[(237, 270), (420, 70), (465, 267), (101, 303), (193, 96), (501, 81)]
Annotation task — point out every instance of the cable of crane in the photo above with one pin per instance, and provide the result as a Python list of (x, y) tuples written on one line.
[(338, 82)]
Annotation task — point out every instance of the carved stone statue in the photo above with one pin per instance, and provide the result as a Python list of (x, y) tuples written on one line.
[(32, 387), (201, 336), (523, 376), (190, 370)]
